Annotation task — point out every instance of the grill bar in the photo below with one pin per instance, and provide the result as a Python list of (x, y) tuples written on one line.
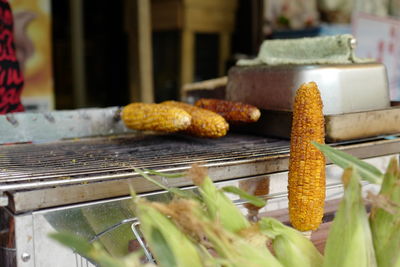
[(47, 175), (84, 163), (99, 177), (15, 175), (70, 162), (77, 161)]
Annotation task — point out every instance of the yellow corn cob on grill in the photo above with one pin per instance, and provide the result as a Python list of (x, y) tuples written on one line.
[(155, 117), (306, 164), (231, 111), (205, 123)]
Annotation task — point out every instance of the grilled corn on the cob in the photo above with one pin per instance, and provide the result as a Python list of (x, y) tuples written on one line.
[(205, 123), (231, 111), (306, 164), (155, 117)]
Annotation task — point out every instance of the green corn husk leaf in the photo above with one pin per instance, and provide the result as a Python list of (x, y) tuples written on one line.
[(77, 243), (169, 245), (178, 214), (385, 222), (349, 242), (232, 249), (237, 251), (176, 191), (221, 208), (254, 236), (367, 171), (256, 201), (100, 218), (96, 253), (291, 247)]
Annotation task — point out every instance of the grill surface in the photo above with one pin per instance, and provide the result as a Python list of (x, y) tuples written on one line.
[(84, 159), (36, 176)]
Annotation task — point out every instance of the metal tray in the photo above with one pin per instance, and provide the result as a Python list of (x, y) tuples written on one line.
[(344, 88), (340, 127)]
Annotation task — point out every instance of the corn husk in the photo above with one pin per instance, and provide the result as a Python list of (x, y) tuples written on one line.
[(366, 171), (95, 252), (237, 251), (169, 245), (232, 249), (219, 206), (349, 241), (385, 218), (291, 247)]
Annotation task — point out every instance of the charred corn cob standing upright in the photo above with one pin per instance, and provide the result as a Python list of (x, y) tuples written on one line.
[(155, 117), (205, 123), (231, 111), (306, 164)]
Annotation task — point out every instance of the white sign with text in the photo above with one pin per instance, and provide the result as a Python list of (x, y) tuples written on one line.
[(379, 38)]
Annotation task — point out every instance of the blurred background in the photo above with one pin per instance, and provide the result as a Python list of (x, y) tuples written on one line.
[(99, 53)]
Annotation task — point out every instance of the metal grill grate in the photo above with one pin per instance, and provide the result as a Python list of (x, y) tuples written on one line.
[(107, 156), (37, 176)]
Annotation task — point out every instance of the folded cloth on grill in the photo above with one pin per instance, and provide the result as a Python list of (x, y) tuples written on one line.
[(336, 49)]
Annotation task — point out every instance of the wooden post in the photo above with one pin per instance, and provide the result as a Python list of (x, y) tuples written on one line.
[(78, 53), (224, 51), (187, 58), (138, 26)]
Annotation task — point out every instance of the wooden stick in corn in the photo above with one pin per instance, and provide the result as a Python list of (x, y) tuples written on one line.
[(155, 117), (205, 123), (306, 183)]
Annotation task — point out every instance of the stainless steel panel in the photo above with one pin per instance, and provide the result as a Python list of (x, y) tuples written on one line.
[(25, 240), (55, 125), (344, 88)]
